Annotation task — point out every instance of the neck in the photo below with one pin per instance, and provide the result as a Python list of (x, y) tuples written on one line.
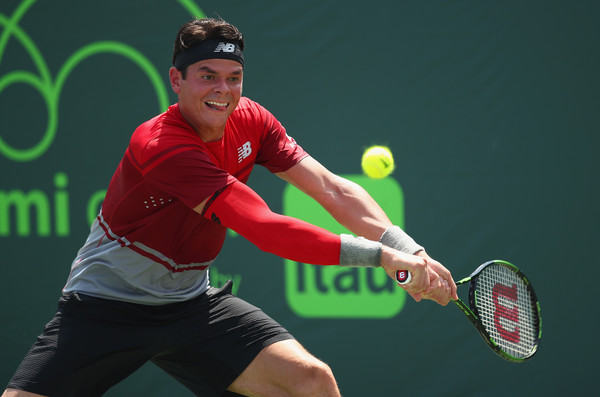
[(206, 133), (210, 136)]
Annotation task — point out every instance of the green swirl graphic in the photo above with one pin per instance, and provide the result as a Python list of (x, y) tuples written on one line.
[(50, 90)]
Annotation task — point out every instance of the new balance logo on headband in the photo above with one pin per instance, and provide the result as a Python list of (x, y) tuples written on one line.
[(209, 49), (225, 47)]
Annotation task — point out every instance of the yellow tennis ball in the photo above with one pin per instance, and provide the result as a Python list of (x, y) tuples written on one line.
[(377, 162)]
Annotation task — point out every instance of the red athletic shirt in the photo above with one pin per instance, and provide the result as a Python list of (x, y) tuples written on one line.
[(168, 170)]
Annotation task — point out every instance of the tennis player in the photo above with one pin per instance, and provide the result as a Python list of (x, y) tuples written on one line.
[(139, 287)]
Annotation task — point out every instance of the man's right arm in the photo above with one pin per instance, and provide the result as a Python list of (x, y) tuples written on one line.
[(241, 209)]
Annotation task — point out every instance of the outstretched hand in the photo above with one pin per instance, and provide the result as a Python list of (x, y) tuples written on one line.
[(441, 284), (430, 279), (393, 260)]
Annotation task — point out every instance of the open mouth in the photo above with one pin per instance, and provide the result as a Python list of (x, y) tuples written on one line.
[(219, 106)]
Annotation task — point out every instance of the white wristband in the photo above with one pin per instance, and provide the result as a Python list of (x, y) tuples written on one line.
[(359, 252), (396, 238)]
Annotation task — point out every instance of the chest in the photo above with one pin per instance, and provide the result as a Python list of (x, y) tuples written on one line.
[(235, 153)]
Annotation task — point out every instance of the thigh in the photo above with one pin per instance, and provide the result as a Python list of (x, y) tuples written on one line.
[(221, 337), (286, 368), (87, 347)]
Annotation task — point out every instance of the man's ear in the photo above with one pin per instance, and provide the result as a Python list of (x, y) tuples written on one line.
[(175, 78)]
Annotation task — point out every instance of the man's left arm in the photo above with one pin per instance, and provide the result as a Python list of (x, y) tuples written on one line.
[(345, 200), (358, 212)]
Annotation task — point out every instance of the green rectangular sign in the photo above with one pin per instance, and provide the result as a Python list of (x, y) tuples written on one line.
[(343, 292)]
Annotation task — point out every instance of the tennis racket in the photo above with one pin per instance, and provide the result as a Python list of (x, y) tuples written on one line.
[(503, 308)]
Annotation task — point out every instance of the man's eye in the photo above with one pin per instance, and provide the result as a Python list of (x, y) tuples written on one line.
[(208, 77)]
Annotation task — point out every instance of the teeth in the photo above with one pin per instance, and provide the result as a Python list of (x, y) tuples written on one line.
[(223, 104)]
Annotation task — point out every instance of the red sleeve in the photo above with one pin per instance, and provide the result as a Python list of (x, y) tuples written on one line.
[(239, 208)]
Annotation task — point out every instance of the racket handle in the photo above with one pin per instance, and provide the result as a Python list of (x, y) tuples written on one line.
[(403, 277)]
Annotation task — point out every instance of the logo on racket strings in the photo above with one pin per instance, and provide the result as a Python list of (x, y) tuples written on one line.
[(503, 312)]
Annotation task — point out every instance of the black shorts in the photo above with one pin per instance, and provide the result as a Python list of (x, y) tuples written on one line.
[(92, 344)]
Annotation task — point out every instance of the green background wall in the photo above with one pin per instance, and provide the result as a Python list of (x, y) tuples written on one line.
[(491, 109)]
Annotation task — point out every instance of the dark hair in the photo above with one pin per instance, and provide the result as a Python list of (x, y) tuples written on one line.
[(199, 30)]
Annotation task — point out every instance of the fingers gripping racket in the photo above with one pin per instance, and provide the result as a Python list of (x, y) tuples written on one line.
[(503, 308)]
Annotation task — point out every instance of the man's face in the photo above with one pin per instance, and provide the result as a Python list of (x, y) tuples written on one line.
[(209, 94)]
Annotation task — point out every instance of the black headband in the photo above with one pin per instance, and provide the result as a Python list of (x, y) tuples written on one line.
[(209, 49)]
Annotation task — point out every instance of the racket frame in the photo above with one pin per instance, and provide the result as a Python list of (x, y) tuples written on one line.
[(472, 314)]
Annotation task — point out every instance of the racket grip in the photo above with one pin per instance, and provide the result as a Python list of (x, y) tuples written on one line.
[(403, 277)]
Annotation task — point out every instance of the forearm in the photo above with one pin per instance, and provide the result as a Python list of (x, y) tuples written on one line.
[(349, 203), (354, 209)]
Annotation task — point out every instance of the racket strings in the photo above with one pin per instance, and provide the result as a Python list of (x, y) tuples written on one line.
[(506, 310)]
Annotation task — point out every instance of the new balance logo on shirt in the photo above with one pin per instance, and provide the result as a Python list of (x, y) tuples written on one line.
[(225, 47), (244, 151)]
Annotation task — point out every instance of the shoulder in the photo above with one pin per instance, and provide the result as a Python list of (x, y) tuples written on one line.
[(252, 115), (249, 109), (162, 134), (246, 103), (170, 122)]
